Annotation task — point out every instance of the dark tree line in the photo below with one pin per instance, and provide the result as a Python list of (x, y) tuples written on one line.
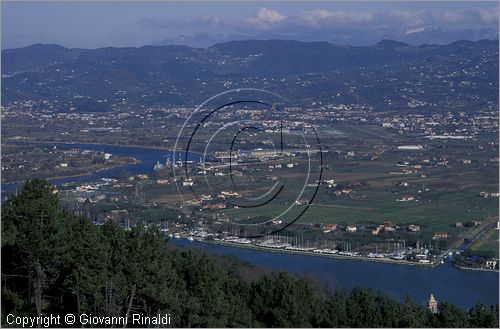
[(56, 263)]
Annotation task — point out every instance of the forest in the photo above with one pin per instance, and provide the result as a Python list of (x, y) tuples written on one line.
[(57, 263)]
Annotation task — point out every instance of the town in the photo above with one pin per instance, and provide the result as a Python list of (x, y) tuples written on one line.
[(403, 164)]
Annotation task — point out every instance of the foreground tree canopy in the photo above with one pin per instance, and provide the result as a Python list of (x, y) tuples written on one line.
[(56, 263)]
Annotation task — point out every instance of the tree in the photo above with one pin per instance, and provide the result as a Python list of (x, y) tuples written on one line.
[(449, 316), (332, 312), (362, 309), (413, 315), (54, 262), (282, 301), (30, 219), (481, 316), (210, 295)]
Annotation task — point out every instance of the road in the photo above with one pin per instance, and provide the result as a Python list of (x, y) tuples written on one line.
[(476, 236)]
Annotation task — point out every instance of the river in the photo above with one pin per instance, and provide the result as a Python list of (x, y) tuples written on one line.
[(147, 156), (460, 287)]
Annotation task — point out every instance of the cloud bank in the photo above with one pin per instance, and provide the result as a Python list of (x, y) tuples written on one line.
[(340, 26), (266, 18)]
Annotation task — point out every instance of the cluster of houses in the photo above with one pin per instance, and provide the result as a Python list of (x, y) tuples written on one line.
[(344, 190), (209, 202), (406, 198), (385, 227), (440, 236), (331, 227)]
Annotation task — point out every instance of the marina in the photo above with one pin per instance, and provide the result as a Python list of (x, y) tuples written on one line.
[(448, 283)]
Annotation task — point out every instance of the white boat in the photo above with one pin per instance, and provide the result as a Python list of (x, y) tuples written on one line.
[(190, 238), (177, 236)]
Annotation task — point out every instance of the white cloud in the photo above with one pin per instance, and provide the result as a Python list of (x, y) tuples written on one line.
[(266, 17), (403, 17), (451, 17), (322, 16), (359, 26), (397, 18)]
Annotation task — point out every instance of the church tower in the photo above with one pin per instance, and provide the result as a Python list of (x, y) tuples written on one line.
[(432, 304)]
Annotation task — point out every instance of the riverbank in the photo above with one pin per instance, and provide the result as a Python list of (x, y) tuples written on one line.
[(323, 255), (445, 282), (157, 148), (466, 268), (87, 173)]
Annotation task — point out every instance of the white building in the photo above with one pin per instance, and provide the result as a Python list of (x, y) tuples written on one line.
[(351, 228), (410, 147)]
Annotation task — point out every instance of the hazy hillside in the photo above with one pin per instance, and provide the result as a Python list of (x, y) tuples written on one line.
[(387, 75)]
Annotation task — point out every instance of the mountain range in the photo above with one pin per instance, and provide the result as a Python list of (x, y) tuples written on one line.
[(347, 36), (387, 75)]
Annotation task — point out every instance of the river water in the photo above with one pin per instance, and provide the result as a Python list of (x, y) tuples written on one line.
[(460, 287), (147, 156)]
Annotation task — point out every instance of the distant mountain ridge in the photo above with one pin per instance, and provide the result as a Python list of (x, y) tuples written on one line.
[(321, 54), (361, 36), (142, 74)]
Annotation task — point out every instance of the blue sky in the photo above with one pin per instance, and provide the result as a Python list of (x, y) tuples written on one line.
[(101, 24)]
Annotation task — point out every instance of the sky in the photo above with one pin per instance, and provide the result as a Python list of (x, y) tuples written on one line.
[(101, 24)]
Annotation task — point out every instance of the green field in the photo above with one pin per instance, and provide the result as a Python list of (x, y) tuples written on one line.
[(488, 243), (445, 194), (365, 160)]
